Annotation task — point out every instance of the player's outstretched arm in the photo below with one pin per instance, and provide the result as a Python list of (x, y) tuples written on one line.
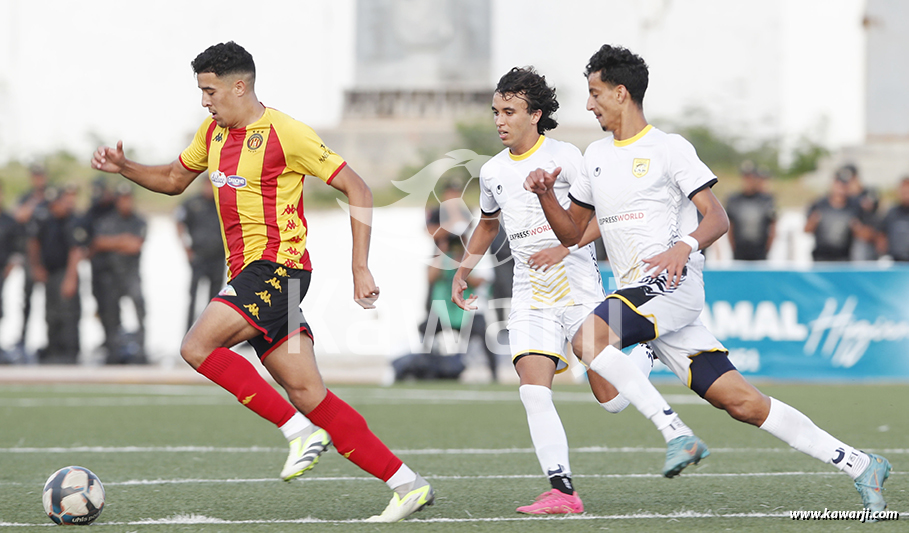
[(712, 226), (476, 247), (569, 226), (359, 198), (170, 179)]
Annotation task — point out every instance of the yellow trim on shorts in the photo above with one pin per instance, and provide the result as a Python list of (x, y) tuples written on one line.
[(697, 354), (656, 329), (559, 356)]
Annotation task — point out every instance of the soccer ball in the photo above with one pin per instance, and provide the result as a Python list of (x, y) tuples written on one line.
[(73, 496)]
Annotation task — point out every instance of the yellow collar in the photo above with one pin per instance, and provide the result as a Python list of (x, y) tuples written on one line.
[(640, 134), (528, 153)]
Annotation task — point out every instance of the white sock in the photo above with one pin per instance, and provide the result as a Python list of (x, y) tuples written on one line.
[(642, 357), (403, 476), (625, 376), (616, 405), (797, 430), (297, 425), (546, 430)]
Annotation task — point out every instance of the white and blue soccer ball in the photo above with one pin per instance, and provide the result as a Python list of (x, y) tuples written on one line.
[(73, 496)]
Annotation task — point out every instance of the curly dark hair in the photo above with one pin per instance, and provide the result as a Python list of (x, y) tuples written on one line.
[(619, 66), (531, 87), (223, 59)]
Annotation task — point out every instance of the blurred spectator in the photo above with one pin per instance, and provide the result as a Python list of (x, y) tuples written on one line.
[(447, 220), (118, 239), (444, 315), (31, 204), (868, 201), (752, 216), (200, 231), (834, 220), (56, 244), (9, 237), (893, 238), (102, 203), (450, 218)]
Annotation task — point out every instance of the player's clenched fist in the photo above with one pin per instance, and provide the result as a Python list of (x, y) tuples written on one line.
[(539, 181)]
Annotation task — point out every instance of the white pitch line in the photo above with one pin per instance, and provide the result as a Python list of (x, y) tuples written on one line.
[(313, 479), (116, 401), (423, 451), (371, 396), (136, 482), (194, 519)]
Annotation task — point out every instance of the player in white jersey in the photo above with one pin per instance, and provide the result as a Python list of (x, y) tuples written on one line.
[(646, 188), (553, 290)]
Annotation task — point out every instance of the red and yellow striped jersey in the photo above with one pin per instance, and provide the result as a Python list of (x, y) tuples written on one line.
[(257, 175)]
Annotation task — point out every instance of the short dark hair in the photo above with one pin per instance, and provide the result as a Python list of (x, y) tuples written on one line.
[(619, 66), (223, 59), (531, 87)]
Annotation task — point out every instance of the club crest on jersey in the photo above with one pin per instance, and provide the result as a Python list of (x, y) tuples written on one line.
[(255, 141), (640, 167), (596, 171), (218, 179), (499, 189)]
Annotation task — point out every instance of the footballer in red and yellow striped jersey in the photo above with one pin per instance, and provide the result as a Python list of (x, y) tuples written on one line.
[(257, 158), (257, 173)]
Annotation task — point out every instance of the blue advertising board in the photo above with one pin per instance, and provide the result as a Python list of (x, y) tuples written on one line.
[(833, 323)]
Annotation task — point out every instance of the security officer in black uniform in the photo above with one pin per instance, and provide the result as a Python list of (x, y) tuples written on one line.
[(31, 205), (117, 241), (9, 237), (56, 245), (102, 203), (200, 231)]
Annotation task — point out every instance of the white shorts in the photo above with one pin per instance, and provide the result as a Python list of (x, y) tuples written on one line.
[(545, 331), (668, 309), (672, 327), (694, 355)]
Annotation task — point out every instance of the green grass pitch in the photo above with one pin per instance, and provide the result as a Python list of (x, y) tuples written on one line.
[(189, 458)]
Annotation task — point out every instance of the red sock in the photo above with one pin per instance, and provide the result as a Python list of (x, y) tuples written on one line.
[(235, 374), (352, 437)]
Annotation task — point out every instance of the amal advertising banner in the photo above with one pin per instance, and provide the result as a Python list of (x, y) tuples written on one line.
[(831, 323)]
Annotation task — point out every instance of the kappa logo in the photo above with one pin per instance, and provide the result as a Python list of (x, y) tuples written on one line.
[(640, 167), (255, 141), (253, 310), (326, 153), (219, 137), (265, 296)]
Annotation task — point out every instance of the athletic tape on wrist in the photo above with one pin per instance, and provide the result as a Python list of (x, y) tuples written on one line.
[(691, 241)]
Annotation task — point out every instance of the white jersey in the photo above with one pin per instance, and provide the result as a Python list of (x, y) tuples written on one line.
[(641, 189), (576, 280)]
